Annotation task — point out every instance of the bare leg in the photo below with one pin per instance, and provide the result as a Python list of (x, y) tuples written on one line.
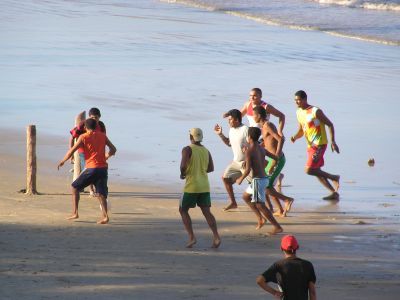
[(213, 225), (276, 196), (187, 222), (279, 182), (268, 215), (323, 178), (260, 219), (268, 202), (103, 204), (75, 204), (229, 188)]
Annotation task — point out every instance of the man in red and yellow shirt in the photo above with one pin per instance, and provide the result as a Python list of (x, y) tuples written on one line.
[(312, 123), (96, 169)]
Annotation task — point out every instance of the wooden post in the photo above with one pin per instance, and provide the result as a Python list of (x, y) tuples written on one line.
[(31, 167), (77, 160)]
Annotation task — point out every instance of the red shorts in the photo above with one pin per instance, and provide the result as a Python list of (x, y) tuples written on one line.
[(315, 157)]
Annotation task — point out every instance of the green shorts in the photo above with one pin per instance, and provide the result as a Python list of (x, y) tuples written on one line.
[(191, 199), (278, 168)]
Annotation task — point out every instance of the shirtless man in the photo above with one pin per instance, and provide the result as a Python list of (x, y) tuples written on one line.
[(255, 162), (312, 123), (273, 143)]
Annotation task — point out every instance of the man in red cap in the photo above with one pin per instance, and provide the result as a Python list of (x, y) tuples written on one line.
[(295, 276)]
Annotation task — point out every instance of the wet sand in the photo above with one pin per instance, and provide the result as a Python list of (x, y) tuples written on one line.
[(141, 253)]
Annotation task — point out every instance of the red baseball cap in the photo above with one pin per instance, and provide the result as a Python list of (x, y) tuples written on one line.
[(289, 243)]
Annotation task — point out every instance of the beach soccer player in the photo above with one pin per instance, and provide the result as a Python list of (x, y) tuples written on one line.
[(312, 123), (196, 163), (96, 168), (255, 163), (94, 113), (237, 140), (273, 143), (255, 97), (294, 276)]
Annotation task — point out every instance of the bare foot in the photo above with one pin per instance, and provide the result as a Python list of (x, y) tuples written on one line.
[(336, 183), (278, 213), (73, 216), (288, 206), (260, 223), (275, 231), (216, 243), (333, 196), (230, 206), (103, 221), (191, 243)]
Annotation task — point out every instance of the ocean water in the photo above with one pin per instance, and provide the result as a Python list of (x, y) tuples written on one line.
[(371, 20), (156, 69)]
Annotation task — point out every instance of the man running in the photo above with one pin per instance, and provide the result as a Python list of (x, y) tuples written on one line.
[(312, 123), (237, 140), (273, 143), (255, 163), (195, 164)]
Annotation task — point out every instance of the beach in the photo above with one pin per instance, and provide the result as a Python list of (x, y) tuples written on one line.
[(156, 69), (141, 253)]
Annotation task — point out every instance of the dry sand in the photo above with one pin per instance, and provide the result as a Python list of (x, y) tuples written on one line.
[(141, 253)]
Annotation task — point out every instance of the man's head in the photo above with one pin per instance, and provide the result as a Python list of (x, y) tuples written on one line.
[(196, 134), (234, 118), (255, 96), (94, 113), (254, 133), (260, 114), (289, 244), (90, 124), (300, 97)]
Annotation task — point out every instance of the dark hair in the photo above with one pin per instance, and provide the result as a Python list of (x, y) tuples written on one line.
[(90, 124), (291, 251), (258, 91), (254, 133), (261, 111), (301, 94), (94, 111), (235, 114)]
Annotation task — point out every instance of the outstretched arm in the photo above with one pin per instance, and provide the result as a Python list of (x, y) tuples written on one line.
[(281, 116), (320, 115), (186, 154), (70, 152)]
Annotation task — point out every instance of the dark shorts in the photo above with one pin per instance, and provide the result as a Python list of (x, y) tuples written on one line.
[(193, 199), (315, 157), (96, 176)]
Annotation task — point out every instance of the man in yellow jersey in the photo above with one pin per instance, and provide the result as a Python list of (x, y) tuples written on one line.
[(312, 123), (196, 162)]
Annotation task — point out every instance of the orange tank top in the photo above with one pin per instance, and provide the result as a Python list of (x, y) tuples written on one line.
[(94, 145)]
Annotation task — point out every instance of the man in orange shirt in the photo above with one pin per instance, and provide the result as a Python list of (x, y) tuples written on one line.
[(93, 142)]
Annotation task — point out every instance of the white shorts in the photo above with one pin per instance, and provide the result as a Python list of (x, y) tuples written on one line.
[(257, 189), (233, 171)]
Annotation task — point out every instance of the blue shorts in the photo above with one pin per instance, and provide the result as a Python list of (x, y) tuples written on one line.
[(96, 176)]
